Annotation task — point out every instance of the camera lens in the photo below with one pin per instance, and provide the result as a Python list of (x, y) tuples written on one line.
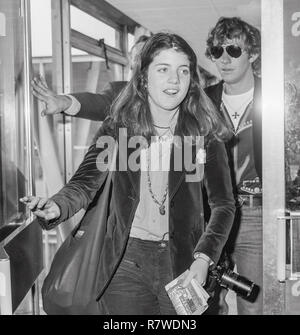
[(239, 284)]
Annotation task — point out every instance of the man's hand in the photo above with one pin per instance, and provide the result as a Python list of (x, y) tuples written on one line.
[(198, 270), (53, 103), (43, 208)]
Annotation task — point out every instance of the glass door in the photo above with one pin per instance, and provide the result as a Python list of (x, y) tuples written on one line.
[(281, 155), (20, 241), (291, 17), (15, 155)]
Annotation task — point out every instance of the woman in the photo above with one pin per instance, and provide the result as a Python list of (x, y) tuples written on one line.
[(155, 227)]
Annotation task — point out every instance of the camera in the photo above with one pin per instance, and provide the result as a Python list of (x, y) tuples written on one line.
[(223, 276)]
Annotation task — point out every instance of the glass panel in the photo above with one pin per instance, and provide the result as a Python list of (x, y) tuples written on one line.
[(41, 37), (90, 26), (13, 159), (90, 74), (14, 133), (48, 131), (292, 103), (292, 132)]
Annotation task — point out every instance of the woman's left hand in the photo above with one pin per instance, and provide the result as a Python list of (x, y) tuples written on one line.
[(198, 270)]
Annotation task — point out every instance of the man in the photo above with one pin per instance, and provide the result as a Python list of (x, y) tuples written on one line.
[(94, 106), (234, 46)]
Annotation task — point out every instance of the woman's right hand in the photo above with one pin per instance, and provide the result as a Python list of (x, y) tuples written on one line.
[(54, 103), (43, 208)]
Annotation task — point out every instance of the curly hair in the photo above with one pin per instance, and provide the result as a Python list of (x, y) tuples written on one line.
[(235, 28), (197, 114)]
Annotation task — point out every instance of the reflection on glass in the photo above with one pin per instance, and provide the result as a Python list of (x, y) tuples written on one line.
[(292, 146), (292, 108), (13, 159)]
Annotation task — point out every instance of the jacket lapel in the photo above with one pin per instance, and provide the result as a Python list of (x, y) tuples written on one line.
[(130, 159), (215, 93), (176, 174), (135, 177)]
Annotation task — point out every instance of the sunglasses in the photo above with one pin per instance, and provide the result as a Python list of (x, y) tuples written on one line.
[(232, 50)]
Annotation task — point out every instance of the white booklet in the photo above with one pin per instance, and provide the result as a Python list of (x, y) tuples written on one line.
[(191, 300)]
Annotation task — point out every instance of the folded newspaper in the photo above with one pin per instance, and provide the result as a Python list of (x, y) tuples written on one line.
[(191, 300)]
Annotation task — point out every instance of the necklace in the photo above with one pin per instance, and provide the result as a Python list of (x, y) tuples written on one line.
[(174, 118), (161, 127), (161, 205), (164, 131)]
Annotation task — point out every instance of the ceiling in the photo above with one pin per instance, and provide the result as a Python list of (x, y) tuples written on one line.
[(191, 19)]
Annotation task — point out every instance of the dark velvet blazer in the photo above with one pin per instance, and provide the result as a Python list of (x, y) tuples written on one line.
[(215, 94), (186, 219)]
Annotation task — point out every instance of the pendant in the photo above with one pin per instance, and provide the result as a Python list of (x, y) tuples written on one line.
[(162, 210), (235, 115)]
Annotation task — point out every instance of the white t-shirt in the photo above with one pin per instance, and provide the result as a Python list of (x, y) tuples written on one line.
[(236, 105)]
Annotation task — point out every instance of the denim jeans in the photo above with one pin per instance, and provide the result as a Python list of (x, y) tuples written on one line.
[(246, 246), (138, 286)]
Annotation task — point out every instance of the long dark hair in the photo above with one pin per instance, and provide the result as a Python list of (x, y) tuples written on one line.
[(197, 114)]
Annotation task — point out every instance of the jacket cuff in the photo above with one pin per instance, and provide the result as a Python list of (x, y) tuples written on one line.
[(75, 106), (204, 257)]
